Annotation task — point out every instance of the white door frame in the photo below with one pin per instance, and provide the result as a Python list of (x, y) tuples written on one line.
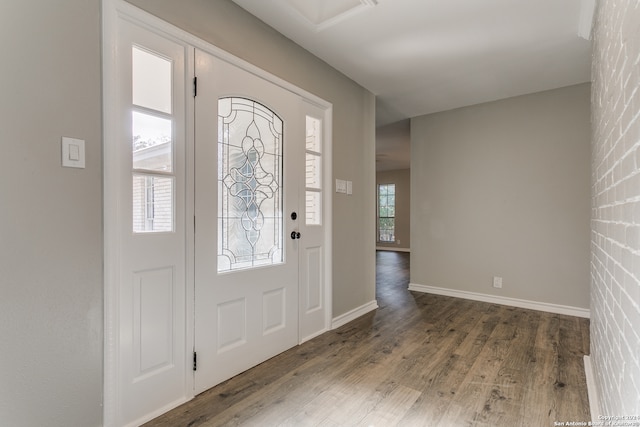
[(112, 11)]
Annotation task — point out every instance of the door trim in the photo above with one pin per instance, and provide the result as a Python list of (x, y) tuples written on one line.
[(112, 11)]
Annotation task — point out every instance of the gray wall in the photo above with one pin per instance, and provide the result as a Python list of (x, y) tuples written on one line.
[(502, 189), (50, 217), (615, 233), (402, 180)]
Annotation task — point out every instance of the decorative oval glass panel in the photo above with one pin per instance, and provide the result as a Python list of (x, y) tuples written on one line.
[(250, 210)]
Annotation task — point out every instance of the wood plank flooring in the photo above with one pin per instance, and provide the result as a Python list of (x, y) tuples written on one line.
[(419, 360)]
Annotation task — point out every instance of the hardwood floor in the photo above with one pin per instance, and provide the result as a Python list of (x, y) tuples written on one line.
[(419, 360)]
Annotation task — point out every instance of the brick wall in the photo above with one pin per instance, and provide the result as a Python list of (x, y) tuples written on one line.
[(615, 229)]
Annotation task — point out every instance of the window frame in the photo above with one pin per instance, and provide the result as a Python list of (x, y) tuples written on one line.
[(380, 217)]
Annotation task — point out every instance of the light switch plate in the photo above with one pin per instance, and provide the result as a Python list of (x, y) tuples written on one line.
[(72, 152), (341, 186), (349, 187)]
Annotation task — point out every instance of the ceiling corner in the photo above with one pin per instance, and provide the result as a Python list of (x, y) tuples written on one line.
[(322, 14)]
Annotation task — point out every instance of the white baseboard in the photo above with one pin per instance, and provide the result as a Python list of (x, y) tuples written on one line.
[(514, 302), (392, 249), (313, 335), (159, 412), (347, 317), (594, 402)]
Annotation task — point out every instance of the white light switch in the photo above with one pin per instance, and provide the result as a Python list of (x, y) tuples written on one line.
[(72, 152), (349, 187), (341, 186)]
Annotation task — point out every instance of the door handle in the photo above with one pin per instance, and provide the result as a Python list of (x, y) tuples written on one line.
[(295, 235)]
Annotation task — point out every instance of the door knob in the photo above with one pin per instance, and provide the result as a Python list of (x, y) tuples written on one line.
[(295, 235)]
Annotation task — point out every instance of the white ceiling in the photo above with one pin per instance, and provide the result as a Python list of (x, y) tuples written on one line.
[(424, 56)]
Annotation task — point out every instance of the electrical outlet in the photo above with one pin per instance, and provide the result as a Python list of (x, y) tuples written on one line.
[(497, 282)]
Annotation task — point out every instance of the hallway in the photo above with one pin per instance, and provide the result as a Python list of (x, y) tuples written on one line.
[(419, 360)]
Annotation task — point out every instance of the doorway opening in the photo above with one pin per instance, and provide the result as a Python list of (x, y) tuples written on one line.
[(393, 201)]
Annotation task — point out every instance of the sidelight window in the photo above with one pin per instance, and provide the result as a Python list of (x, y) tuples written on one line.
[(313, 169), (152, 142)]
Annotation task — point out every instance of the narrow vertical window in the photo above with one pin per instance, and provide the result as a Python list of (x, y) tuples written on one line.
[(152, 141), (313, 168), (149, 206), (250, 220), (386, 212)]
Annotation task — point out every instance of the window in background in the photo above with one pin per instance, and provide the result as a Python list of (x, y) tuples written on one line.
[(386, 212)]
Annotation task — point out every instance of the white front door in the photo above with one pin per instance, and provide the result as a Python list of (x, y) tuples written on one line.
[(249, 277), (249, 171)]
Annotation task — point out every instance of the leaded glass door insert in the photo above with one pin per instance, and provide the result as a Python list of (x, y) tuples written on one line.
[(250, 218)]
